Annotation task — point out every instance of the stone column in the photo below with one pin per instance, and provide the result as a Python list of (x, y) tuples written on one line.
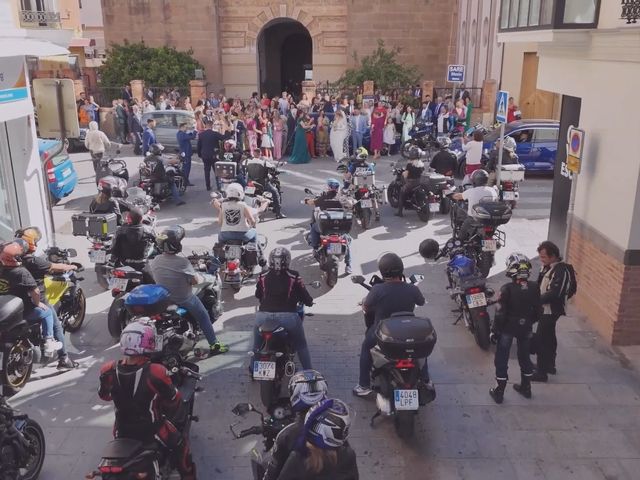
[(427, 88), (309, 88), (196, 89), (137, 90), (489, 92)]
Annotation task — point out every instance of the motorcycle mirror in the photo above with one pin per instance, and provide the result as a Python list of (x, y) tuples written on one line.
[(71, 252), (241, 409), (416, 278), (315, 284), (156, 208), (341, 168), (359, 279), (308, 191)]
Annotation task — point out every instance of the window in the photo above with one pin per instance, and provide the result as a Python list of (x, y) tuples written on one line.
[(522, 136), (579, 11), (547, 134), (164, 119), (513, 14), (188, 119), (523, 14), (539, 14), (504, 14), (534, 13)]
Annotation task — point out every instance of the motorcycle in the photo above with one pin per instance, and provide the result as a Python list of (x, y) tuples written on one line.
[(421, 199), (62, 291), (22, 444), (269, 427), (257, 176), (155, 178), (111, 166), (122, 280), (422, 136), (334, 224), (510, 178), (238, 260), (366, 196), (468, 288), (125, 458)]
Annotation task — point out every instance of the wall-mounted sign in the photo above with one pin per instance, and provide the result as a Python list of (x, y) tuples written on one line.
[(575, 145), (455, 73), (13, 80)]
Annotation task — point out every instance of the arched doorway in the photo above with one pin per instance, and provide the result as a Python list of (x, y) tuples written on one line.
[(284, 48)]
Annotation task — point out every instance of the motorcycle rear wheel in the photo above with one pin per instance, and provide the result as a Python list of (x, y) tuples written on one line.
[(269, 391), (404, 422), (16, 371), (393, 194), (365, 218), (445, 206), (35, 436), (331, 272), (481, 328), (75, 318)]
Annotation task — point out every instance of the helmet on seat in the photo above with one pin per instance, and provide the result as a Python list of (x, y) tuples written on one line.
[(306, 389), (10, 254), (362, 153), (135, 215), (327, 424), (170, 239), (156, 149), (333, 184), (444, 142), (279, 259), (31, 235), (518, 266), (479, 178), (429, 248), (235, 191), (390, 265), (139, 338)]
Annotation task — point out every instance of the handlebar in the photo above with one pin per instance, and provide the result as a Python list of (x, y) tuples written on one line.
[(257, 430), (187, 372)]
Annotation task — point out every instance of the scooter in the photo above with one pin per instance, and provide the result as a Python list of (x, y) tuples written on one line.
[(62, 291), (111, 166)]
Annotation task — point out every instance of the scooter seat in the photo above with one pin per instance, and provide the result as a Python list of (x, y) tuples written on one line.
[(11, 309), (122, 448), (270, 326)]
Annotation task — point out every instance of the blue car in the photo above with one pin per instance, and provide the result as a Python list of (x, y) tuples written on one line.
[(61, 174), (536, 143)]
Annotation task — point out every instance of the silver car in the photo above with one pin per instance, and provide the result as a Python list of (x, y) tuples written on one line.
[(167, 122)]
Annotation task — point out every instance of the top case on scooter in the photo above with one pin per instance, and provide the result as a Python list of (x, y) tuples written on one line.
[(403, 335), (147, 300)]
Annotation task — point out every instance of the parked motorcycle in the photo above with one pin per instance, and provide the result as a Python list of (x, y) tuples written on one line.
[(121, 281), (111, 166), (421, 199), (467, 287), (270, 426), (257, 175), (155, 178), (510, 178), (422, 135), (125, 458), (22, 445), (62, 291), (365, 195), (238, 260)]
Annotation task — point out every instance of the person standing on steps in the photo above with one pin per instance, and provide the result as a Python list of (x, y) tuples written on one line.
[(518, 309)]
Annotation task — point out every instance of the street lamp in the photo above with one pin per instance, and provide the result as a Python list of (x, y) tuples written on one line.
[(630, 11)]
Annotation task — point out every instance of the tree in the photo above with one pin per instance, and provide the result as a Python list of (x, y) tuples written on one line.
[(160, 67), (383, 67)]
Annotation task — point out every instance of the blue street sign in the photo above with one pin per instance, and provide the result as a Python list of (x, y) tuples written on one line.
[(502, 103), (455, 73)]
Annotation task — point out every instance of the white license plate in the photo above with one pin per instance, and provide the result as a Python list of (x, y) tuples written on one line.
[(334, 249), (366, 203), (264, 370), (233, 251), (362, 172), (489, 245), (476, 300), (508, 195), (406, 399), (118, 283), (66, 172), (434, 207), (250, 190), (97, 256)]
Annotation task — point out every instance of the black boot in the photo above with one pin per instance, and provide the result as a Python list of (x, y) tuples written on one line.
[(524, 387), (539, 376), (497, 392)]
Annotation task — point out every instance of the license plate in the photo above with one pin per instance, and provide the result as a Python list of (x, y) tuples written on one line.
[(250, 190), (434, 207), (362, 172), (66, 172), (366, 203), (334, 249), (264, 370), (233, 251), (97, 256), (406, 399), (118, 283), (489, 245), (508, 195), (476, 300)]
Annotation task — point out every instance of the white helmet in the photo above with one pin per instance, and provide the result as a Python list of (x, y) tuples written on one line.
[(509, 144), (307, 388), (139, 338), (235, 190)]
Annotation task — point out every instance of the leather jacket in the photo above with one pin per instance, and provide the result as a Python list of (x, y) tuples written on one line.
[(518, 309)]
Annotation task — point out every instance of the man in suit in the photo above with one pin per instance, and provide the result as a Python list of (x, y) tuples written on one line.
[(207, 149), (426, 113), (148, 136), (437, 106), (417, 91), (358, 127)]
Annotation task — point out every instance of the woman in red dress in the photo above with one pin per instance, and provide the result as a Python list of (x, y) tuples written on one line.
[(377, 128)]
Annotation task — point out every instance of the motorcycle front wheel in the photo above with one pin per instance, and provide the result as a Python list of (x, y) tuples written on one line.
[(269, 391), (332, 271), (393, 194), (74, 318), (404, 422), (17, 364), (117, 318), (365, 218), (30, 470)]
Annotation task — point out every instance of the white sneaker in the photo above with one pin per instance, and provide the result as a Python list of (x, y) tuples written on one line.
[(51, 346)]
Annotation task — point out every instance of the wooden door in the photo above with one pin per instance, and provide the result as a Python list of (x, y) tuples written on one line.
[(534, 103)]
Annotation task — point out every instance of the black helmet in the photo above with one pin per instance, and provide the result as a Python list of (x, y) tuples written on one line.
[(279, 259), (479, 178), (170, 239), (429, 248), (413, 153), (156, 149), (135, 215), (390, 265)]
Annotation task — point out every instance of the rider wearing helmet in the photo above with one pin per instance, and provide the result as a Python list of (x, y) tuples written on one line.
[(509, 157), (259, 170), (237, 220), (16, 280), (132, 242), (384, 299), (163, 168), (327, 199), (445, 161), (306, 389), (480, 192), (519, 307), (39, 266), (279, 291), (176, 274), (104, 202), (358, 160), (322, 450), (145, 398), (411, 175)]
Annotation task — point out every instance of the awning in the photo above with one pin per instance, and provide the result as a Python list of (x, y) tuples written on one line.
[(20, 46), (82, 42)]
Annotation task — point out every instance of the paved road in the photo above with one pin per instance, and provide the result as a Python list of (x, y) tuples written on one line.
[(582, 425)]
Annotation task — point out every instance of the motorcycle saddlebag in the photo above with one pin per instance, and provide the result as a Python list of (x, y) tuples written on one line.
[(334, 221), (403, 335), (100, 225), (147, 300), (492, 214)]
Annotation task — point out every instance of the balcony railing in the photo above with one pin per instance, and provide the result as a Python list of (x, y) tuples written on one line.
[(516, 15), (630, 11), (39, 19)]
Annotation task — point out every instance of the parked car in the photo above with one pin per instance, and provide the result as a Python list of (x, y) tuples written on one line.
[(536, 143), (61, 174), (167, 122)]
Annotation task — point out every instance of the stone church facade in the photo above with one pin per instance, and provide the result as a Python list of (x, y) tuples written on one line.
[(225, 34)]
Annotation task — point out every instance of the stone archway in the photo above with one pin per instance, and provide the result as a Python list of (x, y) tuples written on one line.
[(284, 49)]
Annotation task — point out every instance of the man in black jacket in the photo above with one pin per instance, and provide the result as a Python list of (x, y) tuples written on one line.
[(554, 282), (207, 149), (131, 244), (445, 161)]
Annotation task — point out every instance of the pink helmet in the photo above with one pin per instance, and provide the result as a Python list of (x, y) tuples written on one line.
[(139, 338)]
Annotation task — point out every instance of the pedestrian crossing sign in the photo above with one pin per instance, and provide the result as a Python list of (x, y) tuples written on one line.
[(502, 102)]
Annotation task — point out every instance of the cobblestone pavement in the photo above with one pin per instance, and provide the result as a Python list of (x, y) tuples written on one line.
[(582, 425)]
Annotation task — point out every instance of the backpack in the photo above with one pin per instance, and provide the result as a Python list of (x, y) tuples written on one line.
[(570, 282)]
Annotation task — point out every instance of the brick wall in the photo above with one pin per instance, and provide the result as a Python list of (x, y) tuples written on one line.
[(608, 290)]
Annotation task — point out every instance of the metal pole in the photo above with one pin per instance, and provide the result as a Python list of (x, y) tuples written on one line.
[(499, 167), (453, 95)]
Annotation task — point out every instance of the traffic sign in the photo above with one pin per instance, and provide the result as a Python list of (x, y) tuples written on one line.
[(575, 144), (455, 73), (502, 106)]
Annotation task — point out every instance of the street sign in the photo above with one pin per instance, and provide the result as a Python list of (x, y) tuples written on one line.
[(575, 144), (502, 106), (455, 73), (45, 94)]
